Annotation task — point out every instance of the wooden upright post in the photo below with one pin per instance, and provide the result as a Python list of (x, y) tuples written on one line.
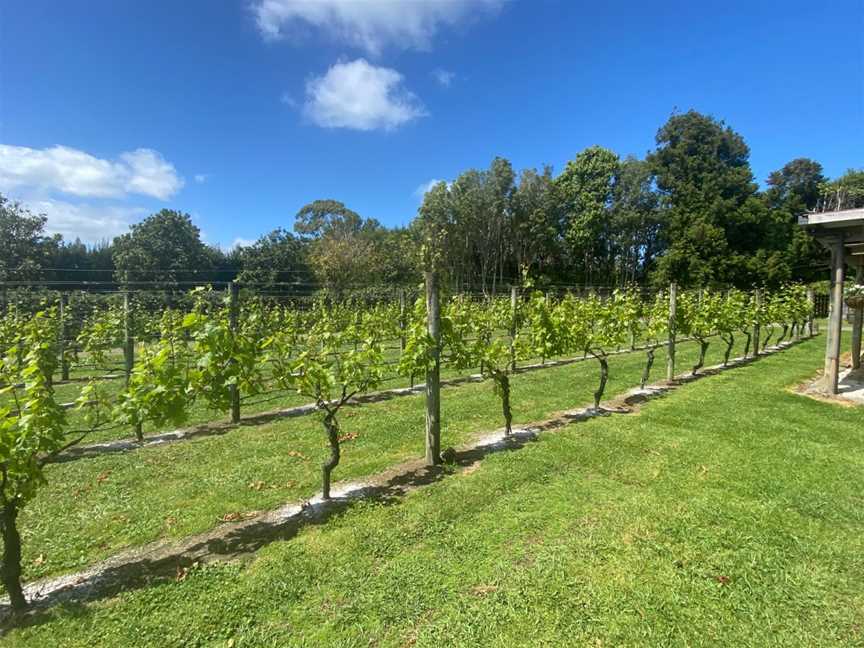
[(811, 297), (757, 327), (129, 353), (514, 302), (857, 321), (401, 320), (233, 312), (835, 319), (433, 373), (673, 314), (62, 334)]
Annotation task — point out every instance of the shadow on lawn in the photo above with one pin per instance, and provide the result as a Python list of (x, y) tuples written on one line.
[(164, 561)]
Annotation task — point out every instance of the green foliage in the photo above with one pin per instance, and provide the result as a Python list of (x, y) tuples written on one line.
[(163, 247), (31, 420), (337, 357), (26, 248), (541, 332), (585, 191), (158, 391), (224, 356)]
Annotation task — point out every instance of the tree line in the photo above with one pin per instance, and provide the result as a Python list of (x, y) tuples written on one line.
[(689, 211)]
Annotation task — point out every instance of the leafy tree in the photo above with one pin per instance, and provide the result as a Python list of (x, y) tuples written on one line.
[(275, 257), (535, 226), (165, 248), (702, 171), (796, 186), (635, 226), (846, 192), (584, 190), (344, 248), (25, 246), (436, 227)]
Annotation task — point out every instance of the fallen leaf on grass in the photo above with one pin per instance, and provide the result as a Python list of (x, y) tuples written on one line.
[(236, 516), (103, 476), (84, 489), (348, 437), (39, 560), (723, 580), (182, 572), (482, 590), (299, 455)]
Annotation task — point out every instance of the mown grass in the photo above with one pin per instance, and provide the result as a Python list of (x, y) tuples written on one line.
[(726, 513), (92, 508)]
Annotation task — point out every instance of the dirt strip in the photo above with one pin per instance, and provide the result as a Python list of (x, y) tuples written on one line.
[(170, 559)]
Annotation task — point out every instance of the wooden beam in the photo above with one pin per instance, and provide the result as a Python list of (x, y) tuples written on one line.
[(831, 376), (857, 322)]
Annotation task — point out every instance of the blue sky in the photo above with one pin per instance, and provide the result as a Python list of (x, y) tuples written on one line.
[(240, 112)]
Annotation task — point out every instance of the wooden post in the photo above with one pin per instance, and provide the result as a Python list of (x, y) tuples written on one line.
[(811, 297), (857, 321), (835, 319), (433, 374), (403, 324), (401, 320), (757, 327), (670, 350), (514, 301), (62, 334), (233, 311), (129, 353)]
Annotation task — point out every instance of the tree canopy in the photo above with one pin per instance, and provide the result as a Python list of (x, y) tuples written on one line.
[(690, 211)]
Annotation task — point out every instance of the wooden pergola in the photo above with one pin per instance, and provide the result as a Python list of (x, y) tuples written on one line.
[(842, 233)]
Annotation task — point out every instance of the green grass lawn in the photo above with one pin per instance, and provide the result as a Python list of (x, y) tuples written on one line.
[(728, 512)]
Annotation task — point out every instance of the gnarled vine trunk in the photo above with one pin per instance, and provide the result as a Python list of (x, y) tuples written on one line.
[(604, 376), (503, 381), (729, 344), (768, 337), (703, 348), (646, 372), (332, 428), (10, 570), (749, 337)]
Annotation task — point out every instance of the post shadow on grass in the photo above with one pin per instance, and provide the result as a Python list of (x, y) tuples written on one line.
[(242, 539)]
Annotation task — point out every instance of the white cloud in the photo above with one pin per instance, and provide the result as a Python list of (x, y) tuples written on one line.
[(91, 223), (425, 188), (70, 171), (288, 100), (201, 178), (443, 77), (242, 242), (360, 96), (370, 25)]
